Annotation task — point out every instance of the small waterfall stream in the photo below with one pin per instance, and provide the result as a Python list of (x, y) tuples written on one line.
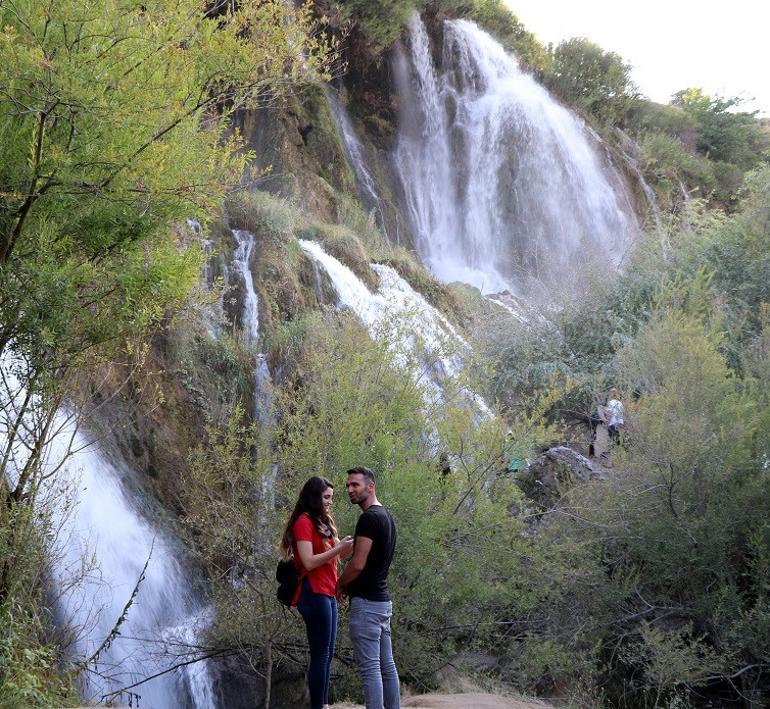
[(250, 325), (503, 187), (367, 185), (250, 321)]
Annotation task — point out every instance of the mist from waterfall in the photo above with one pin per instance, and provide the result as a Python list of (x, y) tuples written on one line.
[(504, 188)]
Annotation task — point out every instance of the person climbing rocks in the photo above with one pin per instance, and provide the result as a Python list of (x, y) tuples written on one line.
[(365, 581)]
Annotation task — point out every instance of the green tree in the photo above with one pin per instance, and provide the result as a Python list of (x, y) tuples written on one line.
[(592, 80), (680, 524), (114, 118), (724, 134), (463, 569)]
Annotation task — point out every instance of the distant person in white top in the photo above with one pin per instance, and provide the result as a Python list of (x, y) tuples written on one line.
[(613, 413)]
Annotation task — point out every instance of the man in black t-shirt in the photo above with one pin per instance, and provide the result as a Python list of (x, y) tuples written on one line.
[(365, 580)]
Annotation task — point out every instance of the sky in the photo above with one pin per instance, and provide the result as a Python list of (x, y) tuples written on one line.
[(721, 47)]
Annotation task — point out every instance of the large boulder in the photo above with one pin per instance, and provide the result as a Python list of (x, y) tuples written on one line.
[(555, 470)]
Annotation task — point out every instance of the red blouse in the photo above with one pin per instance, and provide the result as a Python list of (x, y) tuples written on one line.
[(323, 579)]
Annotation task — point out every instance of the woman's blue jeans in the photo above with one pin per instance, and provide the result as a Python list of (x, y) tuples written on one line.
[(320, 615)]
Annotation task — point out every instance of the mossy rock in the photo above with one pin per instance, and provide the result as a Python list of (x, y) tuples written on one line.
[(298, 151)]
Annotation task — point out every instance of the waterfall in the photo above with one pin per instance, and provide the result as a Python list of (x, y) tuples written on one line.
[(250, 325), (106, 561), (250, 321), (649, 194), (160, 625), (401, 315), (242, 266), (98, 556), (366, 184), (503, 187)]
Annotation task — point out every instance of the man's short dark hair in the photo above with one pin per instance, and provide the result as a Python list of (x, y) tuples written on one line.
[(362, 470)]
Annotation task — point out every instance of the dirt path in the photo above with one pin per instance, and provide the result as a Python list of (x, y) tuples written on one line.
[(461, 701)]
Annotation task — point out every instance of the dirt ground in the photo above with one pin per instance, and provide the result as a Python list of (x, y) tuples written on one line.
[(461, 701)]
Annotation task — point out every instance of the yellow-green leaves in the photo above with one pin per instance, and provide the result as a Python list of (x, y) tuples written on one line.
[(114, 116)]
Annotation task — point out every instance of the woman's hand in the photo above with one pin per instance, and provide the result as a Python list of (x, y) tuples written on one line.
[(343, 548), (345, 545)]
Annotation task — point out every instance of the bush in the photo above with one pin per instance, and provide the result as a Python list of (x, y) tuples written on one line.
[(649, 117), (667, 163), (595, 82)]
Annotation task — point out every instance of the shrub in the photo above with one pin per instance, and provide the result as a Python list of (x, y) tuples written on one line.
[(593, 81), (667, 162)]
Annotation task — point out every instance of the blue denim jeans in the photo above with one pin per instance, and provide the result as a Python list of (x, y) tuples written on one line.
[(370, 633), (320, 615)]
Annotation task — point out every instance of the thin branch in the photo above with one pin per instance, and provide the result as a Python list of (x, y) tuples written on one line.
[(122, 619)]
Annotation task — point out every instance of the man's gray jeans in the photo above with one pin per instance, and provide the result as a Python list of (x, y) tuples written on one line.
[(370, 633)]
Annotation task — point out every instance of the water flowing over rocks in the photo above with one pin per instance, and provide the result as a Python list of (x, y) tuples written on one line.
[(504, 188), (108, 562), (397, 312), (250, 322)]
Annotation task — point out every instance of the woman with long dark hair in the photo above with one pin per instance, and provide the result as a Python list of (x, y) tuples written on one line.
[(311, 538)]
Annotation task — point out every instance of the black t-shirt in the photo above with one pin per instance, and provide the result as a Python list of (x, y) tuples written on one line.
[(378, 525)]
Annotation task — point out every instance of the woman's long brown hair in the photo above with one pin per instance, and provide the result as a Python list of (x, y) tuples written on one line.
[(310, 503)]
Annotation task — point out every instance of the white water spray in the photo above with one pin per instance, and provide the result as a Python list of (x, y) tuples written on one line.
[(502, 185), (159, 629), (125, 609)]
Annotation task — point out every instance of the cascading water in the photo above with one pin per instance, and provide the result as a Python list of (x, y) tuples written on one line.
[(161, 626), (397, 309), (250, 321), (502, 185), (126, 614), (250, 327)]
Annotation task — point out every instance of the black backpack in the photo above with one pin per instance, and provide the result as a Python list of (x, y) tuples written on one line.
[(288, 579)]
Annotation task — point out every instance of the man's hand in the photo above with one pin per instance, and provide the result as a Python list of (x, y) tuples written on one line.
[(340, 593)]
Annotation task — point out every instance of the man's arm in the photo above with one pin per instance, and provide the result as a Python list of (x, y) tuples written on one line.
[(355, 565)]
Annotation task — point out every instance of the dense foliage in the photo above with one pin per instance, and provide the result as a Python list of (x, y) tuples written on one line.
[(594, 81), (675, 540)]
